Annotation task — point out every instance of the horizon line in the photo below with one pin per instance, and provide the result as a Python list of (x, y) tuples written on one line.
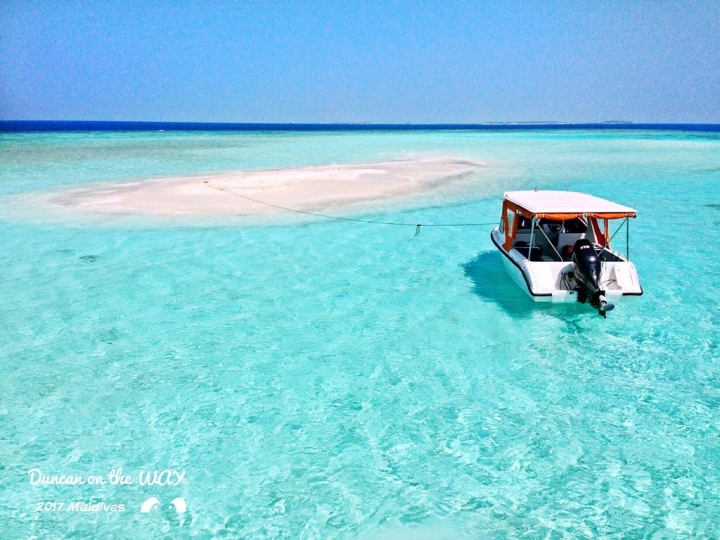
[(19, 126)]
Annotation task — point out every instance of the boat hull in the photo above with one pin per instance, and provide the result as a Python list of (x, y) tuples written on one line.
[(545, 281)]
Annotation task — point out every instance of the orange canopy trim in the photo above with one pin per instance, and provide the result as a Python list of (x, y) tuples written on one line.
[(513, 207), (563, 217)]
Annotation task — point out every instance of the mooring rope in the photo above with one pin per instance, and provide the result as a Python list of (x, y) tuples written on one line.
[(400, 224)]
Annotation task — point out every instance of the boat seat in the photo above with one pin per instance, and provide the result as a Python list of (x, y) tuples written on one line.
[(522, 248)]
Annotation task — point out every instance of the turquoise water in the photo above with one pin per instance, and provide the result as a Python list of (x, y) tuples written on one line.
[(334, 380)]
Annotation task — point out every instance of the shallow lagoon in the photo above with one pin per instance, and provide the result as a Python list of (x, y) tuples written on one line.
[(331, 380)]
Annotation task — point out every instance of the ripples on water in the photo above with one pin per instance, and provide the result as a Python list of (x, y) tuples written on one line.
[(328, 380)]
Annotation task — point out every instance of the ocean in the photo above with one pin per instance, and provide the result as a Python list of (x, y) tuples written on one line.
[(334, 380)]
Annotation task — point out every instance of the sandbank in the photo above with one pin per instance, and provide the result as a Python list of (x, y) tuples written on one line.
[(309, 189)]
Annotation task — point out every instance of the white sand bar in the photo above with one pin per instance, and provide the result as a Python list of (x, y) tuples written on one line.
[(306, 189)]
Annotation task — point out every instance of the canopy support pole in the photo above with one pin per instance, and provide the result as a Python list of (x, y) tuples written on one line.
[(532, 234), (549, 242), (606, 225), (627, 238)]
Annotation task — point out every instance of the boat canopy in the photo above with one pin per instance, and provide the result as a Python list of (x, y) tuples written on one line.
[(564, 205)]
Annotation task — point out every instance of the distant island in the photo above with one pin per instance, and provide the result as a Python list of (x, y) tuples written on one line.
[(16, 126)]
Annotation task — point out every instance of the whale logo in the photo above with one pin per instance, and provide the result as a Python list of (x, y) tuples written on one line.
[(179, 505), (150, 504)]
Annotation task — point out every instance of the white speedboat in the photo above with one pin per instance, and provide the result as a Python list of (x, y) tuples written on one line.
[(556, 247)]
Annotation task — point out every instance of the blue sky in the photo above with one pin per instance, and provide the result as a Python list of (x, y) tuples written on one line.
[(352, 61)]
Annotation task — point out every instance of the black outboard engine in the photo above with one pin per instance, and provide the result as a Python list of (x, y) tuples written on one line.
[(587, 274)]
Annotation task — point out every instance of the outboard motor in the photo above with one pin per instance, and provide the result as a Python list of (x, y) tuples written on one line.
[(587, 274)]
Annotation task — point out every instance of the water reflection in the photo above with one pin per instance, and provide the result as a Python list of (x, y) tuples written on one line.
[(492, 283)]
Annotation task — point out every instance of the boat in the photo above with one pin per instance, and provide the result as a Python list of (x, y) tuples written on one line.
[(556, 246)]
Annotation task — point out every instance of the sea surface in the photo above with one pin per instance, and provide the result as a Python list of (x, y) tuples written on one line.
[(336, 380)]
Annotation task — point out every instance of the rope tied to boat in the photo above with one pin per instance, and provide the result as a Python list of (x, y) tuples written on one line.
[(340, 218)]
